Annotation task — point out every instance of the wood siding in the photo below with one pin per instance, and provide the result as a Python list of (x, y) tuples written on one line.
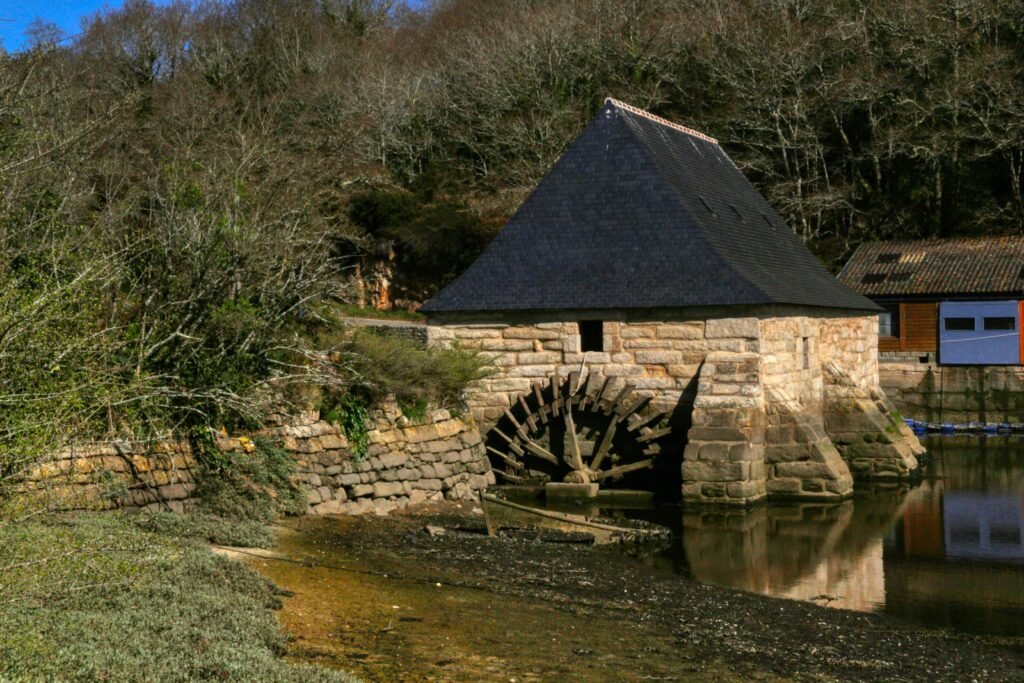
[(919, 329), (888, 343), (919, 326)]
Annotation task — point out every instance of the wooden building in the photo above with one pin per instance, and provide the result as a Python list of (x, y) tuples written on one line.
[(954, 301), (646, 272)]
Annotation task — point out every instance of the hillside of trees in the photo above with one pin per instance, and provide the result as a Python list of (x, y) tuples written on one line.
[(182, 186)]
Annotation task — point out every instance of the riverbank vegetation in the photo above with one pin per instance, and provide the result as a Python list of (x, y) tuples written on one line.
[(140, 597), (134, 598)]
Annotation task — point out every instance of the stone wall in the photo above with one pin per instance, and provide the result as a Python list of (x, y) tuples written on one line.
[(763, 429), (958, 394), (404, 464), (660, 359), (115, 475)]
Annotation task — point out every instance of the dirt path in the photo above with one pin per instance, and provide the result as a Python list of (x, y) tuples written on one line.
[(367, 598)]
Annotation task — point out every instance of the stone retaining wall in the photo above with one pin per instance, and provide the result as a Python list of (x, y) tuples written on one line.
[(115, 475), (404, 464), (949, 393)]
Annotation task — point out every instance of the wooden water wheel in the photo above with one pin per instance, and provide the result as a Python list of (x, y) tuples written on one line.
[(577, 431)]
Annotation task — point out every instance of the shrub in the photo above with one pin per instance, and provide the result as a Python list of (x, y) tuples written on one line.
[(247, 486), (96, 598), (349, 412), (201, 526), (383, 365)]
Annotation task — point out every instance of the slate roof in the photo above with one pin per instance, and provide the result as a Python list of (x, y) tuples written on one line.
[(642, 213), (985, 265)]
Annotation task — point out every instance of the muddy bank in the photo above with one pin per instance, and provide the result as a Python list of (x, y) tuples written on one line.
[(367, 598)]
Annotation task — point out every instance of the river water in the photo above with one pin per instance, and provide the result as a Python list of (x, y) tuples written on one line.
[(948, 551)]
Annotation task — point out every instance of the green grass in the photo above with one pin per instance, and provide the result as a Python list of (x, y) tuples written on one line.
[(111, 597), (353, 311)]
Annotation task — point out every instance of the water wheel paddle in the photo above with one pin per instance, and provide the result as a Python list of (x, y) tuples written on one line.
[(576, 431)]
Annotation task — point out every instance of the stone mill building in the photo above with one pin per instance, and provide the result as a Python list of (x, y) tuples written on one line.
[(651, 322)]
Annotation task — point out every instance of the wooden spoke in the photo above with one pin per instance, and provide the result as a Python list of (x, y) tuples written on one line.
[(516, 448), (654, 434), (610, 406), (620, 433), (642, 422), (556, 396), (595, 397), (530, 422), (542, 409), (637, 405), (622, 469), (585, 393), (574, 382), (514, 478), (541, 452), (511, 462), (606, 443), (573, 456)]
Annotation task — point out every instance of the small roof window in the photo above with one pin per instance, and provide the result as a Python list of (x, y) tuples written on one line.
[(873, 278), (888, 258)]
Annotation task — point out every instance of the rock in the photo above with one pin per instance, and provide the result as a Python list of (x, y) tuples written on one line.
[(435, 531)]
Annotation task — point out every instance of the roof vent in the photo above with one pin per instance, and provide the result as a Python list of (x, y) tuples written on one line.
[(767, 221), (888, 258), (872, 278), (737, 212), (900, 277), (706, 205)]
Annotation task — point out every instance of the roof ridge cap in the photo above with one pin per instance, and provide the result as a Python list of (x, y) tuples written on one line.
[(657, 119)]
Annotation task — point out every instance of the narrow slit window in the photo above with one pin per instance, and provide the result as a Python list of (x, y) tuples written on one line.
[(1001, 323), (959, 324), (591, 335)]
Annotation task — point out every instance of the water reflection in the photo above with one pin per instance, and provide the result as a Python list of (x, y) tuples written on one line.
[(949, 552)]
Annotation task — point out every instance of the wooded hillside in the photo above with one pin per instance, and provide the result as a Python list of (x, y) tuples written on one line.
[(183, 183)]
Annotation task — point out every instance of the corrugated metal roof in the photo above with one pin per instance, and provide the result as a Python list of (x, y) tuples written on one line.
[(982, 265), (641, 213)]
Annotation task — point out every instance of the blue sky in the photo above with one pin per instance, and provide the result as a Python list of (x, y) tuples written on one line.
[(16, 15)]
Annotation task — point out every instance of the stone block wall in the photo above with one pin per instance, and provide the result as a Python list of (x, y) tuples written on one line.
[(660, 359), (115, 475), (957, 394), (442, 458), (404, 464), (723, 462), (795, 436)]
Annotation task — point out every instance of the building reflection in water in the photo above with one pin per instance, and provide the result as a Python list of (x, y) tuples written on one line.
[(949, 552)]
